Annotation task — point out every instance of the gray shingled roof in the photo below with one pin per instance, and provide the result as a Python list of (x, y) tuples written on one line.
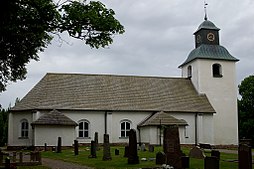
[(213, 52), (54, 118), (114, 92), (162, 118)]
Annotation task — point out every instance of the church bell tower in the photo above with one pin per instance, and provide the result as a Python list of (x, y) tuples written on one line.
[(212, 71)]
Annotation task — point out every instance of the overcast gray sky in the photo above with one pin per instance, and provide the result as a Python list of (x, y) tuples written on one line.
[(158, 38)]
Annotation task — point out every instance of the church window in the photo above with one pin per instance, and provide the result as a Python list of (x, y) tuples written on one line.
[(83, 129), (125, 128), (217, 72), (24, 128), (189, 71)]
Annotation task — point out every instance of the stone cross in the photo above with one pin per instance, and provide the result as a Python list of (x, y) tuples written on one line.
[(171, 147), (106, 148), (133, 149)]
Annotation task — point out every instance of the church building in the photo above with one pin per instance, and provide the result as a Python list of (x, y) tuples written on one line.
[(202, 103)]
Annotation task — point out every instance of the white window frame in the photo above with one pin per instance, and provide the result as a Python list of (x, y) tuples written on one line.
[(125, 129), (84, 130), (24, 132)]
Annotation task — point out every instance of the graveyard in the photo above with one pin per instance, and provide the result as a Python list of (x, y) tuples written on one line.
[(170, 155)]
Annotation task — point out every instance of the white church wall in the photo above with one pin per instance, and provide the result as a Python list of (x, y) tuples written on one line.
[(49, 134), (14, 130), (134, 117), (96, 123), (221, 93)]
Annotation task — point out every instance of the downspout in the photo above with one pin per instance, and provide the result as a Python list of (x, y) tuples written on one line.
[(196, 129), (105, 122), (139, 135)]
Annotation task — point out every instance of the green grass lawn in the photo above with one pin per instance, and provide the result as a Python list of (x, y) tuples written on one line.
[(121, 162)]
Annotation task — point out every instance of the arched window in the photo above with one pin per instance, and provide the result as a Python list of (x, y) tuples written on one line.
[(125, 128), (217, 72), (24, 127), (189, 72), (83, 129)]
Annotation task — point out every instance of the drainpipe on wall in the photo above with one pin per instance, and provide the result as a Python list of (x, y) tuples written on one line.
[(105, 121), (196, 129), (139, 136)]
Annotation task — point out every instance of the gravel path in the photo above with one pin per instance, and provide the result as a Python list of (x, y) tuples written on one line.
[(58, 164)]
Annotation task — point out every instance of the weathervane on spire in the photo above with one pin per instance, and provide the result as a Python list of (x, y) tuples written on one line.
[(205, 4)]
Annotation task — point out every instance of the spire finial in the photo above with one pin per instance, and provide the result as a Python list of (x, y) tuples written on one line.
[(205, 4)]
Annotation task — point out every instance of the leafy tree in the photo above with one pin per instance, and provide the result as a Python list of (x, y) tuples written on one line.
[(246, 108), (28, 26), (3, 126)]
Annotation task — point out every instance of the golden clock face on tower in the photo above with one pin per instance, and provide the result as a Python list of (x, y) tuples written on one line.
[(210, 37)]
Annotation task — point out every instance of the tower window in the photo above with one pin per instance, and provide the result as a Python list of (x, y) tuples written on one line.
[(189, 72), (217, 72)]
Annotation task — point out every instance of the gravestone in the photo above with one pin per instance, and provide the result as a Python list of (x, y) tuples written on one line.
[(116, 152), (151, 148), (126, 151), (75, 147), (7, 163), (21, 157), (197, 152), (185, 162), (96, 141), (59, 145), (45, 146), (133, 149), (215, 153), (143, 147), (160, 158), (14, 154), (106, 148), (93, 150), (171, 147), (212, 163), (244, 156)]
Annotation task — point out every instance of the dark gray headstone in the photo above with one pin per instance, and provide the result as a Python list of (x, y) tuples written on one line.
[(93, 150), (1, 157), (76, 147), (151, 148), (160, 158), (126, 151), (212, 163), (185, 162), (59, 145), (7, 163), (45, 146), (171, 147), (133, 149), (106, 148), (96, 140), (244, 156), (21, 157), (116, 152), (197, 152), (215, 153)]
